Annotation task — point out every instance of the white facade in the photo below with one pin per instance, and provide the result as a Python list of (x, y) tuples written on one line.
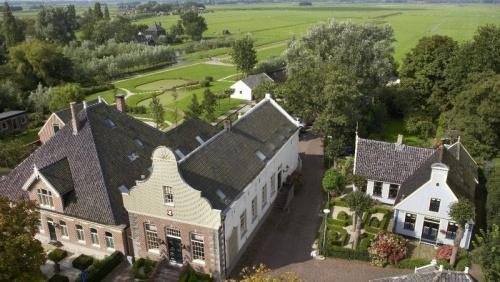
[(383, 197), (241, 91), (429, 223), (285, 161)]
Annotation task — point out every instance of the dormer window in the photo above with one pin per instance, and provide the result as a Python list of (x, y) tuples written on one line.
[(110, 123), (139, 142), (132, 157), (179, 153), (434, 205), (56, 127), (45, 198), (168, 196)]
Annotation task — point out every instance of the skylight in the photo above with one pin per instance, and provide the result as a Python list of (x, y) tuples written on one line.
[(260, 155), (132, 157), (179, 153), (220, 194), (139, 142), (198, 138), (110, 123), (123, 189)]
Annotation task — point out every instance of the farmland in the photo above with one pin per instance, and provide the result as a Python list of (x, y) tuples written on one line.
[(273, 25)]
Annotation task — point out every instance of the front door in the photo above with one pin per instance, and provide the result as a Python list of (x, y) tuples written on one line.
[(174, 249), (52, 231), (430, 230)]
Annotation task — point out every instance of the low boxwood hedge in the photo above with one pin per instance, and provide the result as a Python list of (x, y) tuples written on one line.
[(345, 253), (338, 222), (374, 222), (58, 278), (342, 215), (340, 203), (193, 276), (57, 255), (147, 267), (412, 263), (372, 230), (82, 262), (100, 268), (364, 244)]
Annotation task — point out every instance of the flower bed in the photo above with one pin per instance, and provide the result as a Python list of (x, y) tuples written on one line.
[(387, 248)]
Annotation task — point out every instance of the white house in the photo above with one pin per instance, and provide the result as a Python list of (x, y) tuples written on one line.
[(421, 184), (243, 88)]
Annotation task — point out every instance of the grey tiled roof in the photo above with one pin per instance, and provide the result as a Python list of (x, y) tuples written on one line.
[(59, 175), (10, 114), (65, 114), (388, 162), (183, 137), (255, 80), (98, 161), (436, 276), (229, 162)]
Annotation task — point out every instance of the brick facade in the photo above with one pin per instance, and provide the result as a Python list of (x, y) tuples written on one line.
[(211, 241), (47, 131)]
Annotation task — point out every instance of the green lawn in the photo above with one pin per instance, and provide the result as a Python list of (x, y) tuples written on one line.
[(162, 84), (394, 127), (108, 95)]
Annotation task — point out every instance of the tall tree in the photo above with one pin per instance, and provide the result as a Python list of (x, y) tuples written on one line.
[(244, 55), (61, 96), (461, 212), (333, 182), (209, 103), (40, 99), (106, 12), (359, 202), (488, 253), (194, 25), (493, 196), (157, 111), (12, 29), (98, 11), (423, 71), (56, 24), (21, 255), (10, 97), (194, 109)]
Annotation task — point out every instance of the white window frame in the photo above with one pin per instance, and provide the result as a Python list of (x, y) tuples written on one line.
[(168, 196), (94, 237), (264, 196), (273, 184), (45, 199), (108, 238), (64, 229), (80, 233), (151, 235), (198, 247)]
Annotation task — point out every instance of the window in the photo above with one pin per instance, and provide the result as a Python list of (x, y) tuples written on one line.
[(273, 184), (197, 246), (173, 232), (243, 223), (377, 189), (79, 233), (168, 197), (56, 127), (110, 123), (410, 221), (241, 92), (64, 229), (451, 231), (434, 205), (139, 142), (45, 198), (151, 237), (264, 196), (393, 191), (254, 209), (93, 237), (110, 244)]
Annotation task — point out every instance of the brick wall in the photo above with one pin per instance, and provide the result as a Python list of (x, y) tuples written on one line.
[(47, 131)]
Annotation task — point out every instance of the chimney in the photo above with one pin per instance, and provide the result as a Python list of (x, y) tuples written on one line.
[(400, 139), (74, 120), (120, 103), (227, 124)]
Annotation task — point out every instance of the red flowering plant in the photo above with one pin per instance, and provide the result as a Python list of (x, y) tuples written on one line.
[(444, 252), (387, 248)]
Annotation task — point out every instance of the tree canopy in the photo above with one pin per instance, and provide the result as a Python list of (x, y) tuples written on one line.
[(244, 55), (56, 24), (488, 253), (333, 182), (12, 29), (194, 25), (61, 96)]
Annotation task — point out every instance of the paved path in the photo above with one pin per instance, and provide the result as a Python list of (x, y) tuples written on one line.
[(285, 240)]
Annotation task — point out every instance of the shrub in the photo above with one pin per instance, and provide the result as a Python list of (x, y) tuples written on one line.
[(444, 252), (209, 78), (385, 221), (57, 255), (137, 109), (412, 263), (98, 88), (372, 230), (58, 278), (193, 276), (364, 244), (204, 83), (374, 222), (387, 248), (345, 253), (462, 262), (340, 203), (82, 262), (100, 268), (338, 222), (342, 215), (444, 263), (147, 266)]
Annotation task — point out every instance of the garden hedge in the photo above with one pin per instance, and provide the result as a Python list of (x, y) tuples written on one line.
[(82, 262), (58, 278), (364, 244), (193, 276), (146, 264), (100, 268), (374, 222), (345, 253), (340, 203), (57, 255), (412, 263)]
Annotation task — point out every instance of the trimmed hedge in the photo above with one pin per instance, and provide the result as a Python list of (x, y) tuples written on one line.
[(345, 253), (342, 215), (374, 222), (82, 262), (57, 255), (412, 263), (193, 276), (372, 230), (86, 91), (462, 262), (340, 203), (58, 278), (364, 244), (146, 264), (100, 268), (338, 222)]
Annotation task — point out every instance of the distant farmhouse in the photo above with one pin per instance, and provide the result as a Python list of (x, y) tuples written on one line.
[(13, 121), (194, 195), (243, 88), (152, 33), (421, 184)]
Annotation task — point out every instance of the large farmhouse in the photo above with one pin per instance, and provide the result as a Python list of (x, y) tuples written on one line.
[(420, 183), (194, 195)]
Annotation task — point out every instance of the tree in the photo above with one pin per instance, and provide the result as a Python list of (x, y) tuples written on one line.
[(106, 13), (493, 196), (475, 116), (333, 182), (157, 111), (176, 109), (423, 71), (194, 109), (461, 212), (56, 24), (61, 96), (208, 104), (10, 97), (37, 61), (21, 255), (488, 253), (177, 29), (244, 55), (12, 153), (359, 202), (97, 11), (40, 99), (11, 28), (194, 25)]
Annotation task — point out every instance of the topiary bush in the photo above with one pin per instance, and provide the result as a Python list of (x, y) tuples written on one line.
[(82, 262), (143, 268), (412, 263), (100, 268), (374, 222), (58, 278), (57, 255)]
